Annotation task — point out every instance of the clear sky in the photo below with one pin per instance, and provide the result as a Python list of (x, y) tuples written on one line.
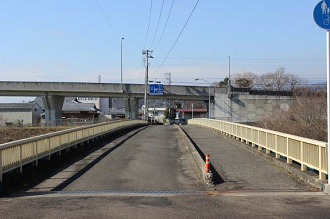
[(70, 40)]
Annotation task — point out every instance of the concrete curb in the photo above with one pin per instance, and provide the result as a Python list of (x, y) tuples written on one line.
[(292, 169), (198, 160)]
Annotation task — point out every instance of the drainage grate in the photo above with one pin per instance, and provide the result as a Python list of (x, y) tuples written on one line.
[(153, 192)]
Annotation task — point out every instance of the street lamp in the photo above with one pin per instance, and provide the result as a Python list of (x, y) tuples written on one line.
[(200, 79), (121, 61)]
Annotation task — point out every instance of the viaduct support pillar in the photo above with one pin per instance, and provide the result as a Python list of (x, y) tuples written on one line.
[(132, 108), (53, 109), (208, 109)]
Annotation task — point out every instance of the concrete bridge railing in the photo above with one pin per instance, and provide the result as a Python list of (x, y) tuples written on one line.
[(307, 152), (16, 154)]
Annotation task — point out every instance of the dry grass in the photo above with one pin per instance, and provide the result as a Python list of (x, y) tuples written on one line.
[(13, 134)]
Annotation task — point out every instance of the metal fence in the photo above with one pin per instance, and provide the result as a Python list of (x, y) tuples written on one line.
[(75, 122), (58, 122), (307, 152), (16, 154)]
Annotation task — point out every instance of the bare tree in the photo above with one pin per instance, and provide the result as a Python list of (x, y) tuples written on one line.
[(307, 116), (273, 81), (279, 81), (293, 81), (223, 83), (244, 80)]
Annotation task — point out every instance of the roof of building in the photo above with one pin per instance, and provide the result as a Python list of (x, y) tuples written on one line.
[(74, 107), (17, 105)]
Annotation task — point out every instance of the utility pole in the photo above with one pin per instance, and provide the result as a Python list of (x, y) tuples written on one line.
[(147, 53), (229, 71), (168, 81), (121, 62), (229, 91)]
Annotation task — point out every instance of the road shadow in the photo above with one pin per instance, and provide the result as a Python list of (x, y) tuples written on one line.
[(93, 163), (15, 182), (216, 176)]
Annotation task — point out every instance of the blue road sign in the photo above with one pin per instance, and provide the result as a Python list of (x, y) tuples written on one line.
[(322, 14), (156, 89)]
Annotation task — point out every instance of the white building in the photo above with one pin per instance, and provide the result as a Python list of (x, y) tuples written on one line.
[(22, 113), (156, 114)]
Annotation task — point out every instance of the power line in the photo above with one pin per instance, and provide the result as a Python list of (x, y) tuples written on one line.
[(247, 58), (221, 78), (168, 17), (118, 38), (145, 42), (160, 15), (256, 77), (106, 18), (177, 38), (191, 82)]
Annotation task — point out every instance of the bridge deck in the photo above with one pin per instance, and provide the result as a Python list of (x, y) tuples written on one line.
[(149, 159), (153, 160), (239, 168)]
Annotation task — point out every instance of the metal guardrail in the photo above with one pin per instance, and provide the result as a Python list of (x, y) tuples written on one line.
[(308, 152), (16, 154)]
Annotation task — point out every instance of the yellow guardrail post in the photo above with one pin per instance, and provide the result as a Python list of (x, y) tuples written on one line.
[(49, 153), (76, 139), (303, 166), (0, 168), (288, 160), (277, 155), (267, 150), (321, 174), (20, 159), (60, 146), (36, 151), (259, 146)]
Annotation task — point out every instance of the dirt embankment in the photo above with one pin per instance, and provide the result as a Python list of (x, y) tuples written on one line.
[(13, 134)]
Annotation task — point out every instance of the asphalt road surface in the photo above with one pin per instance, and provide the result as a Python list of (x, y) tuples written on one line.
[(98, 206), (153, 159)]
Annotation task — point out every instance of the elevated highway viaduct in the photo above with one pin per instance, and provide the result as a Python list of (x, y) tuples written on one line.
[(226, 104), (53, 93)]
